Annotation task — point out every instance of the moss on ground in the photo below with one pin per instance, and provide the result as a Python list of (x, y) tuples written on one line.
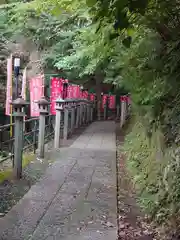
[(7, 172)]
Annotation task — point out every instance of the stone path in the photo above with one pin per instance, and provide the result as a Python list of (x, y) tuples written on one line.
[(76, 198)]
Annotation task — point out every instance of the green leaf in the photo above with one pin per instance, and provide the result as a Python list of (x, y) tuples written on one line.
[(127, 42)]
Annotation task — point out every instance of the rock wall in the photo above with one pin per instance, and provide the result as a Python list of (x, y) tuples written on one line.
[(30, 58)]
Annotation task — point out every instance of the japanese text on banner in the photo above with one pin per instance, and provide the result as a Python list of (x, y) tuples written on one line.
[(36, 93), (56, 92), (104, 100), (112, 102)]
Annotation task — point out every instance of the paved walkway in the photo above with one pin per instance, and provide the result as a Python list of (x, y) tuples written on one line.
[(76, 199)]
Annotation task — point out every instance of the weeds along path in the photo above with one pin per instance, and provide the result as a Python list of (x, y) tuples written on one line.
[(132, 223)]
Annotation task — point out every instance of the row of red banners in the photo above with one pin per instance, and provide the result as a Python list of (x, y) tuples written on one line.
[(111, 101), (57, 89)]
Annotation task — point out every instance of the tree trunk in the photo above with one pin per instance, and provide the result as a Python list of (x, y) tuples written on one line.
[(99, 80)]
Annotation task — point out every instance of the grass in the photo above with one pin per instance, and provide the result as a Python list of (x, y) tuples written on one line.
[(8, 172)]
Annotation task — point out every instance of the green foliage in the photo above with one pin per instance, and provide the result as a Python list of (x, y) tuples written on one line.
[(86, 55), (155, 174)]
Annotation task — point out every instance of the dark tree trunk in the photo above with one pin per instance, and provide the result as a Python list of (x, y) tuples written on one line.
[(99, 77)]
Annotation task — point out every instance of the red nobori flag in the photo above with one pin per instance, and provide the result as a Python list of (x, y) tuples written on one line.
[(104, 100), (78, 91), (36, 93), (75, 91), (92, 97), (56, 91), (85, 94), (112, 102), (70, 91)]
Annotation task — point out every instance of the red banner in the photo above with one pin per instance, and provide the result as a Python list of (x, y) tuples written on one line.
[(36, 92), (85, 94), (56, 91), (92, 97), (104, 99), (78, 91), (112, 102), (75, 91), (70, 91)]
